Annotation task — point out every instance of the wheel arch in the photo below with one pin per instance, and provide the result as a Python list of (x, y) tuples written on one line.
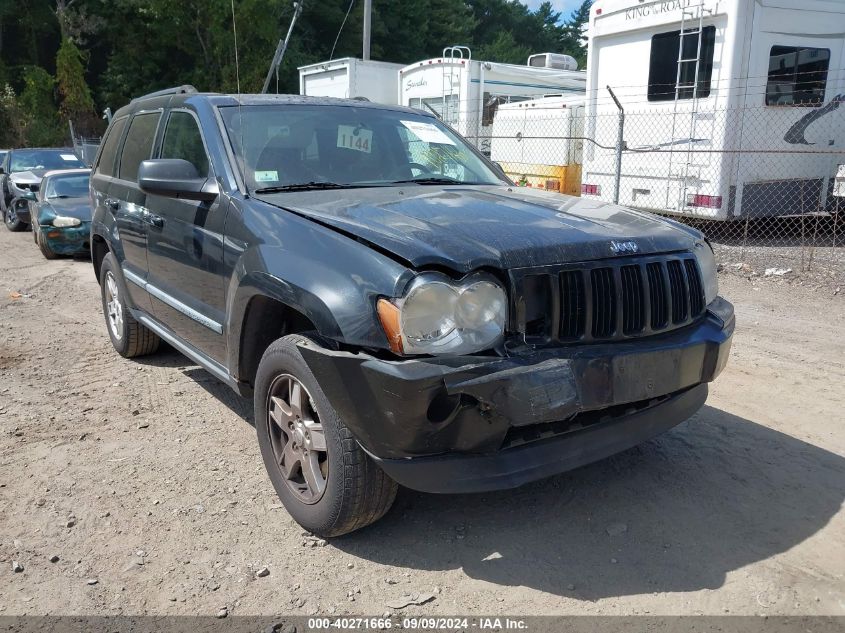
[(99, 250), (261, 316)]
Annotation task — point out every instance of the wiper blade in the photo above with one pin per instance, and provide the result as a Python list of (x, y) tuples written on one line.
[(307, 186), (433, 180), (60, 196)]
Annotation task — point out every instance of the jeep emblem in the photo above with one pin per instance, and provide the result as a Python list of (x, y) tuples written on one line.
[(622, 248)]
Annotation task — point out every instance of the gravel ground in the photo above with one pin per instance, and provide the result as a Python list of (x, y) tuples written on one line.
[(136, 487)]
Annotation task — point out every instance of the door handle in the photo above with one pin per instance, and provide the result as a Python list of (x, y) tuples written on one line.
[(155, 220)]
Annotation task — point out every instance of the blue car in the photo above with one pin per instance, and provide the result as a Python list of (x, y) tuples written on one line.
[(61, 213)]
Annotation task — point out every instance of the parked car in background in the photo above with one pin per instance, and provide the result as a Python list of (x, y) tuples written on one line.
[(20, 176), (398, 310), (61, 213)]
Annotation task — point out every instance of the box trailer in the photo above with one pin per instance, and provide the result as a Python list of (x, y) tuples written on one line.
[(466, 93), (538, 142), (731, 106), (351, 77)]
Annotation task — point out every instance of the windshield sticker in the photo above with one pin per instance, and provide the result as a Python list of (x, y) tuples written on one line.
[(267, 176), (69, 157), (427, 132), (357, 138)]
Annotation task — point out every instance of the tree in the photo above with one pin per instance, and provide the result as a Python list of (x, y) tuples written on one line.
[(38, 116), (574, 37), (12, 132), (75, 102)]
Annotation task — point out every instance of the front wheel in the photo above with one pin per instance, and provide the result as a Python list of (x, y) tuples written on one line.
[(323, 478), (11, 220), (45, 249)]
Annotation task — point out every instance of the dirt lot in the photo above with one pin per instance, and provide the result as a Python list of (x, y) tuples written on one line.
[(145, 480)]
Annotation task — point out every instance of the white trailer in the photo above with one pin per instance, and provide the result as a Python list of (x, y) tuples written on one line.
[(466, 92), (350, 77), (731, 106), (539, 142)]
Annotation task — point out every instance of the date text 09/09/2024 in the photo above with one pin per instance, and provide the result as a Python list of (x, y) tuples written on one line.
[(418, 623)]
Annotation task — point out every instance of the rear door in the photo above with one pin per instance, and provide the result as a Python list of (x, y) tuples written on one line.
[(185, 247), (128, 203)]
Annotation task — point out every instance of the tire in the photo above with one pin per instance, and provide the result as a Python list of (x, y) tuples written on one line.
[(48, 252), (10, 219), (129, 338), (356, 492)]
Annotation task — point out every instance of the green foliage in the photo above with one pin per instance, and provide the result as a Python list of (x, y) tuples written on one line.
[(38, 114), (11, 119), (573, 40), (75, 97)]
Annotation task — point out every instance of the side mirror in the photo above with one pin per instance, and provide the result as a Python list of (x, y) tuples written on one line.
[(2, 171), (175, 178), (29, 195)]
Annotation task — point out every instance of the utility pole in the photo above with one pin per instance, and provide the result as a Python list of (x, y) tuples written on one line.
[(368, 15), (280, 50)]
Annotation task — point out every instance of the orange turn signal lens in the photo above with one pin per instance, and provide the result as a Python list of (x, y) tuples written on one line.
[(388, 314)]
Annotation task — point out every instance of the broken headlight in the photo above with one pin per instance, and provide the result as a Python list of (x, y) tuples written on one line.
[(440, 316)]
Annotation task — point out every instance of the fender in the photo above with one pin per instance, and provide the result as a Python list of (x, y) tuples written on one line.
[(101, 229), (332, 279)]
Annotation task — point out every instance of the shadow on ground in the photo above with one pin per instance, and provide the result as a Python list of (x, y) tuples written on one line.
[(711, 496), (715, 494)]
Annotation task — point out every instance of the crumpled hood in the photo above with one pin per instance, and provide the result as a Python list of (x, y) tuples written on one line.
[(468, 227), (68, 207), (30, 177)]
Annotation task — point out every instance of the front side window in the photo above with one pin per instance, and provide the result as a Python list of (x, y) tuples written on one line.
[(67, 186), (282, 145), (182, 139), (664, 81), (27, 160), (797, 75), (105, 164), (138, 145)]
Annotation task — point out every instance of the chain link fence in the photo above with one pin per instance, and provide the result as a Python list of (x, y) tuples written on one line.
[(758, 181)]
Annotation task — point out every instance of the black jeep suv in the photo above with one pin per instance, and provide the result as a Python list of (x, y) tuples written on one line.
[(400, 311)]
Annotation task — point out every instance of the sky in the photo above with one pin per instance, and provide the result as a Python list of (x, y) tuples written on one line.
[(565, 7)]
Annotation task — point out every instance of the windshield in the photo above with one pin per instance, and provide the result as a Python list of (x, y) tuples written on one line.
[(280, 146), (69, 186), (25, 160)]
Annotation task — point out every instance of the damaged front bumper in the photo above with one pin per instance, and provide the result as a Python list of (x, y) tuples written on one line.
[(475, 423), (67, 240)]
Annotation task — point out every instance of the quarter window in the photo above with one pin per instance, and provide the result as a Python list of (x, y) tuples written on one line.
[(138, 145), (797, 75), (663, 76), (105, 165), (182, 139)]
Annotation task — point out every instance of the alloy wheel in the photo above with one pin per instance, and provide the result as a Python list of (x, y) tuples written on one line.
[(297, 437), (114, 308)]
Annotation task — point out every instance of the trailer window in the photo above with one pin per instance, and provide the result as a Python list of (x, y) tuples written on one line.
[(797, 75), (664, 80)]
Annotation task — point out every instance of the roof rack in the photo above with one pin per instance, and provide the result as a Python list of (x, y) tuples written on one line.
[(178, 90)]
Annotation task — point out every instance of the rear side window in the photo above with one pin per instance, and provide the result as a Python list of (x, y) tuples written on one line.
[(182, 139), (663, 66), (797, 75), (138, 145), (105, 165)]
